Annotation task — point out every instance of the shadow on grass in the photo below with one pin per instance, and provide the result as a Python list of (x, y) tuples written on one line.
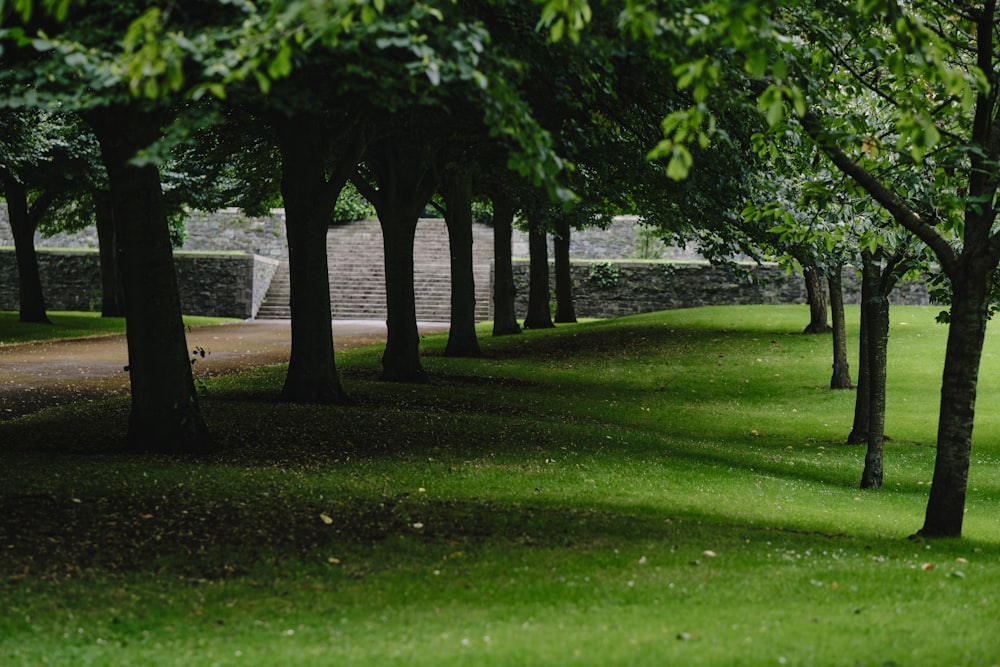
[(190, 534)]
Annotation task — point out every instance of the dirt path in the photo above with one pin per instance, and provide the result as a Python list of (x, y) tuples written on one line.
[(38, 375)]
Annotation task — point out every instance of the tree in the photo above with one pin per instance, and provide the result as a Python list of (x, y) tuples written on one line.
[(565, 311), (77, 65), (539, 315), (47, 162), (165, 416), (457, 190), (935, 65), (318, 154), (504, 315)]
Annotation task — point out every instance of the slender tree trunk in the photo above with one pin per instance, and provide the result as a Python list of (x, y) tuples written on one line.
[(462, 340), (504, 314), (539, 315), (841, 378), (876, 306), (817, 300), (112, 294), (565, 312), (859, 431), (966, 332), (165, 415), (22, 226), (309, 200)]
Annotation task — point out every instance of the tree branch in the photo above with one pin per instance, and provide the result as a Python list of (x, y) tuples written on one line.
[(893, 203)]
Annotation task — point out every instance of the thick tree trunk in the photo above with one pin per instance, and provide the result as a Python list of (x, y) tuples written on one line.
[(462, 340), (404, 172), (966, 332), (504, 314), (401, 359), (817, 300), (565, 312), (22, 226), (539, 315), (112, 294), (165, 415), (876, 307), (309, 200), (841, 378)]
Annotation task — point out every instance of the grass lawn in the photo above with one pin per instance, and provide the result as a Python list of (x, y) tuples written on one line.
[(75, 325), (665, 489)]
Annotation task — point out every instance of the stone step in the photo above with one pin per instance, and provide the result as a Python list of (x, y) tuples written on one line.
[(357, 272)]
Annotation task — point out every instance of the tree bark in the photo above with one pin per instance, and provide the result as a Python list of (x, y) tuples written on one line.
[(876, 305), (966, 332), (165, 415), (539, 315), (462, 340), (504, 314), (565, 311), (309, 199), (401, 359), (112, 293), (406, 180), (23, 225), (859, 431), (817, 300), (841, 378)]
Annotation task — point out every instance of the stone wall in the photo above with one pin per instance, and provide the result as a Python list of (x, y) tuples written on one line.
[(227, 230), (612, 289), (229, 285), (624, 238)]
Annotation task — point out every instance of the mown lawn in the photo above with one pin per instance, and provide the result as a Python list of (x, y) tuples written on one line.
[(666, 489)]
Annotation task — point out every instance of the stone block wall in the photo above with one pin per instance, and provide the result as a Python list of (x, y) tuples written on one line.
[(227, 230), (231, 285), (613, 289)]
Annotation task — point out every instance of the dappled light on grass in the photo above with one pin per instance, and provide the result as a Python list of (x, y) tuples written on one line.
[(672, 492)]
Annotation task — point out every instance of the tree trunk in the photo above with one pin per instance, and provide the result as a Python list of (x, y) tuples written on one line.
[(404, 172), (817, 300), (165, 415), (841, 378), (462, 340), (876, 306), (401, 359), (539, 315), (565, 312), (966, 332), (859, 431), (309, 200), (112, 294), (504, 314), (22, 226)]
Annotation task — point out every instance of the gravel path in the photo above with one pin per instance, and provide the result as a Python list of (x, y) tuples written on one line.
[(34, 376)]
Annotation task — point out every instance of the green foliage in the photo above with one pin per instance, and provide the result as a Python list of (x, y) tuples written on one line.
[(352, 206), (605, 274), (663, 489)]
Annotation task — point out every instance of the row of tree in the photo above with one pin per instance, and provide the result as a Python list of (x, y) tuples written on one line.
[(840, 124)]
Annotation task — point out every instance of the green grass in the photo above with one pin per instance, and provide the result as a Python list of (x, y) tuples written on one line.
[(74, 325), (666, 489)]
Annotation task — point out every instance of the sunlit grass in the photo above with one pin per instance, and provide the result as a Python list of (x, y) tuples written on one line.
[(668, 489), (75, 325)]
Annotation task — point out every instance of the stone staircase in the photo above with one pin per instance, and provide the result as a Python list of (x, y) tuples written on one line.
[(357, 273), (275, 304)]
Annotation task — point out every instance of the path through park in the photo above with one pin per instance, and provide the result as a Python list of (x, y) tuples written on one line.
[(38, 375)]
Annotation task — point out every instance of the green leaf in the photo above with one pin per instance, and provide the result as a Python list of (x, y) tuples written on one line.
[(680, 163)]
